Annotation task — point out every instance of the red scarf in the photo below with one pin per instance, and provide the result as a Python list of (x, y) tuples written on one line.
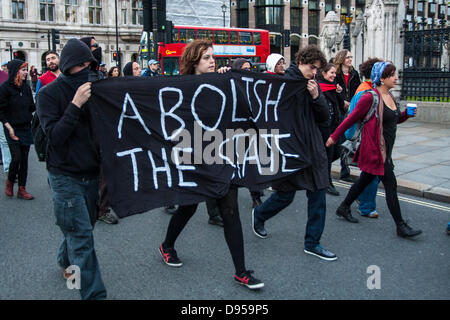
[(327, 87)]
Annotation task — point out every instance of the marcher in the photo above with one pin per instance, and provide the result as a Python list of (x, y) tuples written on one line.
[(244, 64), (52, 62), (114, 72), (16, 110), (374, 156), (104, 213), (348, 78), (132, 69), (34, 77), (102, 69), (73, 163), (5, 158), (314, 178), (367, 206), (198, 58), (152, 70), (336, 109), (275, 64)]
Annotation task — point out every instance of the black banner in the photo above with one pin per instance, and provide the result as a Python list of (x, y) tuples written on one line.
[(180, 140)]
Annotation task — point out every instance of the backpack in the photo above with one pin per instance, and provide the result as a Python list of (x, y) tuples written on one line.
[(351, 145), (39, 138)]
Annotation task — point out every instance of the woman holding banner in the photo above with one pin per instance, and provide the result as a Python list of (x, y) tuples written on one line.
[(197, 59)]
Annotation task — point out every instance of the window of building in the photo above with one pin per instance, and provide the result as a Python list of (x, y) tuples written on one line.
[(242, 13), (330, 4), (269, 14), (420, 8), (124, 11), (296, 16), (313, 17), (410, 8), (18, 8), (359, 7), (431, 9), (71, 8), (221, 37), (137, 12), (95, 11), (345, 7), (47, 10)]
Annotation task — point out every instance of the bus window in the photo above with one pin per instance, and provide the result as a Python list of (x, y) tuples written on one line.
[(171, 66), (245, 38), (221, 37), (205, 34), (233, 37), (183, 36), (257, 38), (190, 35), (175, 35)]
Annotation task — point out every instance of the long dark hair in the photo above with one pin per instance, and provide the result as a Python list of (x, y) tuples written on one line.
[(111, 70)]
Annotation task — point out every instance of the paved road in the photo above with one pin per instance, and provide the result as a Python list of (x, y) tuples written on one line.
[(132, 268)]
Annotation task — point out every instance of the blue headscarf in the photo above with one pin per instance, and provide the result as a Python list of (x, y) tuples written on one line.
[(377, 71)]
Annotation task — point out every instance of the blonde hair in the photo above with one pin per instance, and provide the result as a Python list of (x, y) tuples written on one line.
[(340, 59)]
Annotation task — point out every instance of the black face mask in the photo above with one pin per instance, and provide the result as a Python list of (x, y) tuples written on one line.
[(81, 77), (97, 53)]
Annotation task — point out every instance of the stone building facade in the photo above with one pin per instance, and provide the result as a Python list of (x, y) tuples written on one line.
[(24, 24)]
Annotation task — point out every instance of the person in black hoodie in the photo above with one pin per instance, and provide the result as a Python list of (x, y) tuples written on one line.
[(73, 163), (314, 178), (336, 106), (16, 109), (348, 78)]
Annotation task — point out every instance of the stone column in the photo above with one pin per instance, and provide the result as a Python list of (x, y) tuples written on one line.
[(251, 14), (233, 14), (304, 40), (287, 26)]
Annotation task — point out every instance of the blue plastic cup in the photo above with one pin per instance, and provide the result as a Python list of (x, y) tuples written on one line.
[(410, 108)]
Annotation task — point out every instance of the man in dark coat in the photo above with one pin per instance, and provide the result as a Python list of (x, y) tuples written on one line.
[(314, 179), (73, 164)]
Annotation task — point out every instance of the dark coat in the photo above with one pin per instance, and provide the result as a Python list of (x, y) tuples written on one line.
[(16, 103), (348, 91), (72, 149), (312, 112)]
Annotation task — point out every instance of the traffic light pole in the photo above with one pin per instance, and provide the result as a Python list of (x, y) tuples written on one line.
[(118, 62), (48, 38)]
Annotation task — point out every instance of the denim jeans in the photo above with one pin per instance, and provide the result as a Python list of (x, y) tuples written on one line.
[(317, 208), (367, 199), (6, 155), (75, 208)]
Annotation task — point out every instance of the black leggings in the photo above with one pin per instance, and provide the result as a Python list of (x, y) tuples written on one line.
[(19, 163), (390, 186), (231, 225)]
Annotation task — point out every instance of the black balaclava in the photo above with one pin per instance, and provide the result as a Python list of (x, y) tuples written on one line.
[(97, 53), (128, 69)]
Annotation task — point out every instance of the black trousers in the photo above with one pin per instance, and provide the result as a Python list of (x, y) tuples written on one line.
[(232, 227), (19, 163), (390, 186)]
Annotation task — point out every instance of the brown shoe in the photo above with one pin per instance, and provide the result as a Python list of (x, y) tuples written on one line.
[(23, 194), (9, 188)]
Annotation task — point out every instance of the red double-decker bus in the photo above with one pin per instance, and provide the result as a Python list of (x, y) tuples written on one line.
[(229, 44)]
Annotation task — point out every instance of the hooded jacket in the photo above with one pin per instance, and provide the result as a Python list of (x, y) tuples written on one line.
[(314, 177), (128, 69), (72, 150), (16, 103)]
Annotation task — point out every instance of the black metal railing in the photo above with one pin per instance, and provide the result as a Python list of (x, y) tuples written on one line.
[(425, 75), (426, 85)]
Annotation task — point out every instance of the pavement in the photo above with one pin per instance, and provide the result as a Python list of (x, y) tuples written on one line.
[(421, 158)]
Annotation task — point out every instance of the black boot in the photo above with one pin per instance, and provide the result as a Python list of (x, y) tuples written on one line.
[(332, 190), (405, 231), (346, 213)]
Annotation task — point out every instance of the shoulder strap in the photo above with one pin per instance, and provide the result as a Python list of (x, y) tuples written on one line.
[(373, 107)]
